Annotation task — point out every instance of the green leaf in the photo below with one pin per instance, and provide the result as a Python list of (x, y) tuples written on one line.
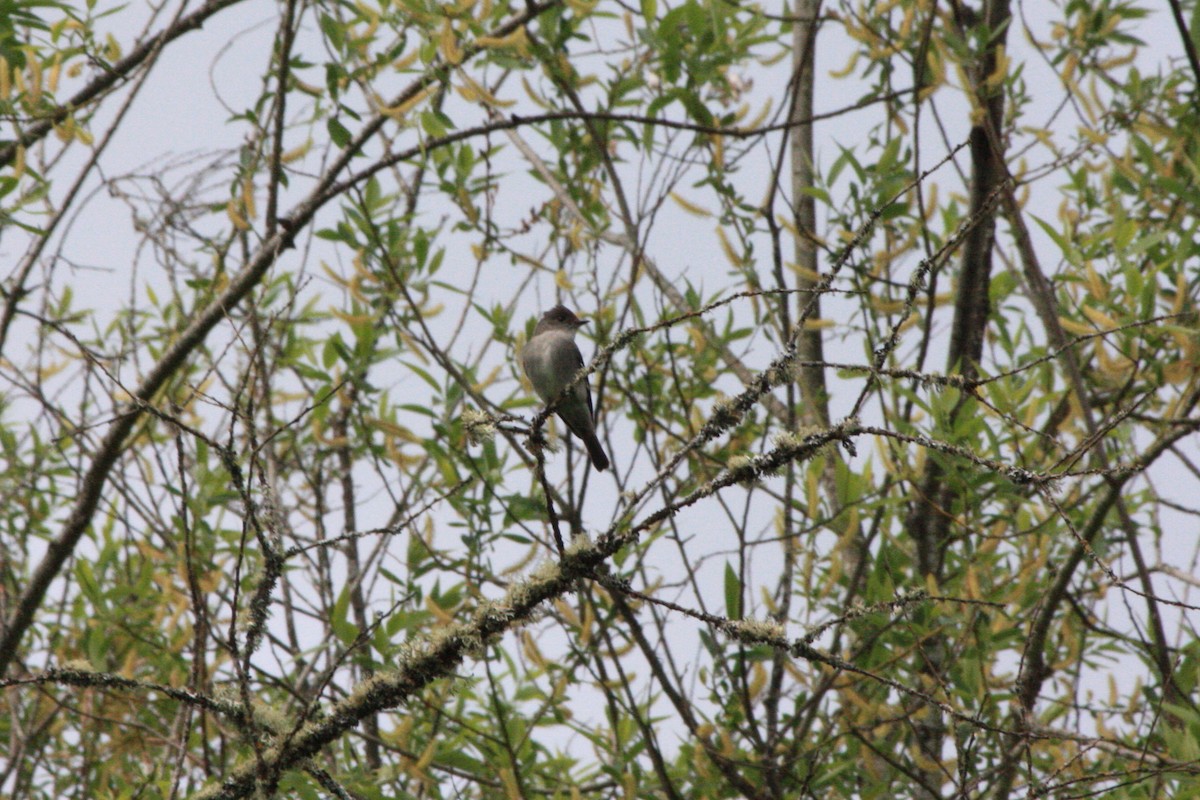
[(345, 630), (333, 31), (338, 132), (423, 375), (330, 353), (733, 593), (1194, 28)]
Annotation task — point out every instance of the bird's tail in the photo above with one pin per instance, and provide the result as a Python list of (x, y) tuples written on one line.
[(596, 452)]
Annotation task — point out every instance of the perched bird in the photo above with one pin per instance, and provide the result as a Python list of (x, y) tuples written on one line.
[(551, 359)]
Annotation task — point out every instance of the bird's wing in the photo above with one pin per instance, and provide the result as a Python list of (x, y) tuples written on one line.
[(585, 383)]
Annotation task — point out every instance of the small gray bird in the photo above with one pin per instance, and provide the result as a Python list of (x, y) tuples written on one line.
[(551, 359)]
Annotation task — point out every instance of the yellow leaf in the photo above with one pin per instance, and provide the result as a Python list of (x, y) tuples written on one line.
[(757, 680), (1180, 292), (472, 92), (885, 305), (392, 429), (757, 122), (517, 40), (1177, 372), (1092, 135), (1101, 319), (55, 69), (352, 319), (448, 44), (442, 615), (35, 76), (333, 276), (921, 760), (690, 207), (851, 531), (308, 88), (239, 222), (50, 370), (769, 601), (426, 758), (248, 197), (973, 591), (482, 385), (1070, 64), (810, 275), (586, 625), (323, 438), (399, 111), (112, 48), (288, 156), (1096, 287), (998, 74), (1077, 328), (846, 70), (406, 61), (566, 611), (727, 249), (65, 130), (1110, 64), (812, 495), (533, 95)]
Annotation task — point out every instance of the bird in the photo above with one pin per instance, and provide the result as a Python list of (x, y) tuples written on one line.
[(551, 359)]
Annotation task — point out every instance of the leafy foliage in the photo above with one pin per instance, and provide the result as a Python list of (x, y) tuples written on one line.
[(901, 420)]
